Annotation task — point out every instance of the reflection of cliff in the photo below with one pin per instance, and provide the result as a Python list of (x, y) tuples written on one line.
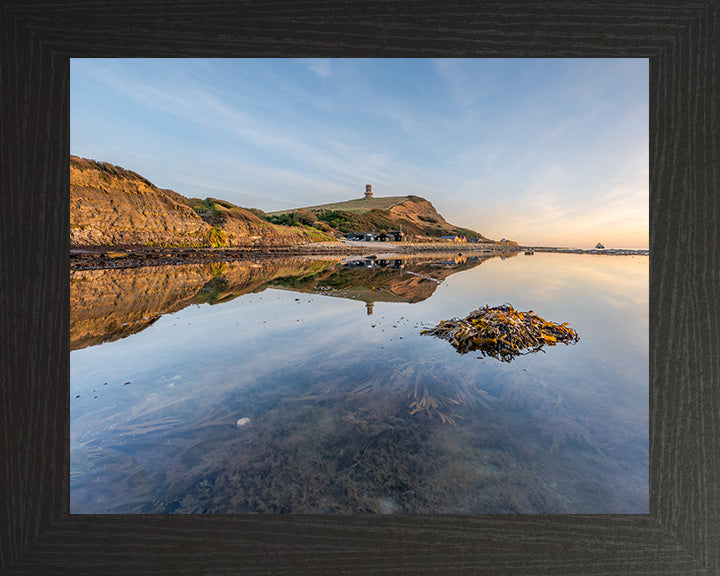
[(107, 305), (374, 280)]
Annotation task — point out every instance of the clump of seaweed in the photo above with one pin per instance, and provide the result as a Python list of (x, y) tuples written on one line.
[(502, 332)]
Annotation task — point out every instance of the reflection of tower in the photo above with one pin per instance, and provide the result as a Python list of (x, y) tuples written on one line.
[(368, 191), (369, 307)]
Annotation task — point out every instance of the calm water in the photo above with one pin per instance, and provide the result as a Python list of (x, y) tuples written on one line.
[(285, 386)]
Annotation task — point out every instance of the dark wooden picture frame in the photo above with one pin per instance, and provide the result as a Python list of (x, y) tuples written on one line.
[(680, 535)]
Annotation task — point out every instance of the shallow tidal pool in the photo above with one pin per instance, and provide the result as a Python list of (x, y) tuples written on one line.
[(289, 386)]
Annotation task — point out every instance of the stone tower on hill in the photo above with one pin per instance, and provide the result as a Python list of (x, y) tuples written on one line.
[(368, 191)]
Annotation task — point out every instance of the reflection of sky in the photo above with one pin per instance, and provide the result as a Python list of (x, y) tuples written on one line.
[(208, 350), (604, 298), (193, 365)]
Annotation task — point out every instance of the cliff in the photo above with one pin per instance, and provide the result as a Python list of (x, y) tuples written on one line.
[(111, 206), (415, 216), (419, 214)]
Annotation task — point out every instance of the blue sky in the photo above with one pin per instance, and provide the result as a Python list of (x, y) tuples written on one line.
[(541, 151)]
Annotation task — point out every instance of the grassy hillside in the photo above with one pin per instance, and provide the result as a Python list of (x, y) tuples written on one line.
[(357, 206), (415, 216)]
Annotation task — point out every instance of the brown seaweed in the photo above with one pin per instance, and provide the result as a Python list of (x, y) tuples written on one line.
[(430, 389), (502, 332)]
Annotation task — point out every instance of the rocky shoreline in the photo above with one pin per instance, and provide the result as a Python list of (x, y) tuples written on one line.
[(604, 251), (103, 257), (97, 257)]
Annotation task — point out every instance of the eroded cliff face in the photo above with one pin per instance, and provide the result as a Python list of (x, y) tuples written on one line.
[(419, 211), (423, 214), (111, 206), (107, 305)]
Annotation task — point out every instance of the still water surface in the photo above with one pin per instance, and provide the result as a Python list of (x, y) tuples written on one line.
[(285, 386)]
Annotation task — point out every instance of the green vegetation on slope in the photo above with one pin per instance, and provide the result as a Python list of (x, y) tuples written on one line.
[(357, 205), (376, 221), (106, 170), (415, 216), (207, 210)]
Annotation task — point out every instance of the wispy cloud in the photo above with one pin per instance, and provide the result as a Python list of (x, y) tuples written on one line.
[(320, 66), (462, 85), (534, 151)]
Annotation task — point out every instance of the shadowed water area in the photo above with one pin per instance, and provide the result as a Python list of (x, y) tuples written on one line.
[(305, 386)]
